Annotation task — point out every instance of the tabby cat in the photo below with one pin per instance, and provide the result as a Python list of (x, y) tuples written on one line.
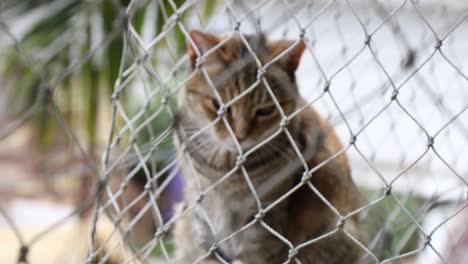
[(224, 224)]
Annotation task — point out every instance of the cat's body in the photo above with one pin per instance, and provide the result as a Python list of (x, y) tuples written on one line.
[(225, 222)]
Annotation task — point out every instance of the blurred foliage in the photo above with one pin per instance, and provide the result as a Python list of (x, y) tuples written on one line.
[(168, 247), (391, 231), (73, 52)]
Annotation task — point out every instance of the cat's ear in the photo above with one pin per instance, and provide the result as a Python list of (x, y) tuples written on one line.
[(201, 42), (290, 60)]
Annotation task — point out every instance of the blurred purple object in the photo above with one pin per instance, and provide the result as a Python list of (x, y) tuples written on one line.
[(173, 194)]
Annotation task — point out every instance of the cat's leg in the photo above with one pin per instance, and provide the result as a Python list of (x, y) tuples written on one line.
[(186, 248), (189, 238)]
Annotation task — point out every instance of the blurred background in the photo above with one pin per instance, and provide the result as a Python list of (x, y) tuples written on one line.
[(88, 90)]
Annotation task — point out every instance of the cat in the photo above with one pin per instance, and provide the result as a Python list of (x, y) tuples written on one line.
[(224, 224)]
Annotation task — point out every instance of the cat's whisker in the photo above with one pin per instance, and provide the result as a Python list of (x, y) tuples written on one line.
[(199, 145), (213, 155)]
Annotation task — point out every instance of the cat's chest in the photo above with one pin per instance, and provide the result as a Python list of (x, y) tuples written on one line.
[(234, 223), (231, 207)]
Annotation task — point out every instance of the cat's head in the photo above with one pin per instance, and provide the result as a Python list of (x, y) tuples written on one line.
[(225, 63)]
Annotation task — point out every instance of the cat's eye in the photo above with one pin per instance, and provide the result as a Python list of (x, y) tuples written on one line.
[(265, 111)]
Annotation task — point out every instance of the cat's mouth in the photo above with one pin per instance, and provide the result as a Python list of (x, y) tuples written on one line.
[(232, 145), (247, 144)]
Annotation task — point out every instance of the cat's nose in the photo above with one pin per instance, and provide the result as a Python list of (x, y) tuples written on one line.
[(241, 130), (241, 135)]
